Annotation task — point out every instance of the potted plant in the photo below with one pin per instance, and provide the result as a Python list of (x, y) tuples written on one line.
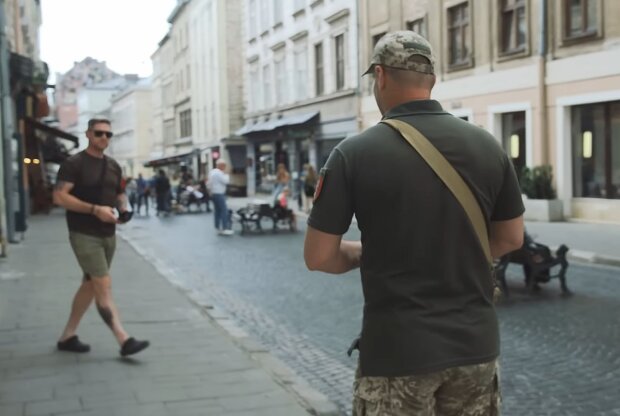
[(539, 197)]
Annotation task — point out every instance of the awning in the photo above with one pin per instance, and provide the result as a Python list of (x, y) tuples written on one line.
[(269, 125), (167, 160), (53, 131)]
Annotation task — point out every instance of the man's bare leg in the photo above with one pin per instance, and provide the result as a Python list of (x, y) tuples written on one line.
[(81, 301), (102, 288)]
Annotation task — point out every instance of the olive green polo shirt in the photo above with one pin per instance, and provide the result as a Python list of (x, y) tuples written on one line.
[(428, 292)]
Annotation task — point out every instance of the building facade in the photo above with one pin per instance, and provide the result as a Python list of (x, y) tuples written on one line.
[(301, 84), (217, 77), (85, 73), (156, 150), (542, 76), (95, 101), (172, 59), (131, 116), (23, 84), (197, 70)]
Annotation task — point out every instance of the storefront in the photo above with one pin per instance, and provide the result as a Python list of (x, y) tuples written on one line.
[(588, 155), (174, 165), (274, 140)]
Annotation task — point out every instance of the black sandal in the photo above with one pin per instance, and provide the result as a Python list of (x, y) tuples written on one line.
[(73, 344), (132, 346)]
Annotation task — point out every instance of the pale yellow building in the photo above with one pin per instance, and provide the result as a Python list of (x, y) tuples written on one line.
[(542, 76)]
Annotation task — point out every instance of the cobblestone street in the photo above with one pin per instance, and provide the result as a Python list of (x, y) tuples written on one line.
[(559, 355)]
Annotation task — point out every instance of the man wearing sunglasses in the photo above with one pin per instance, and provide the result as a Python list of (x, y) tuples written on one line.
[(89, 188)]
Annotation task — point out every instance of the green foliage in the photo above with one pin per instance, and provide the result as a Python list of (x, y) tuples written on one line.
[(537, 183)]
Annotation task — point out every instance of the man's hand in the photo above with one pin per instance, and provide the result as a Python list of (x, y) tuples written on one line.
[(105, 214)]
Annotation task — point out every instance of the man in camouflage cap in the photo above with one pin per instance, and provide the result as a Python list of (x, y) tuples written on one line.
[(401, 50), (430, 337)]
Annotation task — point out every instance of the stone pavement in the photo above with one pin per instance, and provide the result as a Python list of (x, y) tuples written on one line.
[(588, 242), (193, 367)]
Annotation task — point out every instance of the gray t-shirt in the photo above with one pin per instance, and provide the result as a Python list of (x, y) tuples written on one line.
[(427, 287)]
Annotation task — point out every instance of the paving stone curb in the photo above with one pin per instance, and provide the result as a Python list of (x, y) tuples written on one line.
[(589, 257), (314, 401)]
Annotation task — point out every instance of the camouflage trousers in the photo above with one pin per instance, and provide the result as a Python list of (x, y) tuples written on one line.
[(471, 390)]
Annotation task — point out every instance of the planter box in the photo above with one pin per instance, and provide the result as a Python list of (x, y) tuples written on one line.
[(543, 210)]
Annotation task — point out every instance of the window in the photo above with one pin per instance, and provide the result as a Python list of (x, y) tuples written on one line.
[(595, 135), (169, 135), (264, 15), (581, 18), (280, 82), (267, 94), (188, 83), (252, 18), (254, 100), (301, 76), (278, 11), (298, 5), (418, 26), (513, 139), (185, 123), (319, 70), (168, 94), (376, 38), (339, 49), (459, 38), (513, 26)]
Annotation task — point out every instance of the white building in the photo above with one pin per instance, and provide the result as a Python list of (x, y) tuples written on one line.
[(157, 104), (131, 115), (198, 82), (172, 101), (301, 83), (217, 79), (94, 101)]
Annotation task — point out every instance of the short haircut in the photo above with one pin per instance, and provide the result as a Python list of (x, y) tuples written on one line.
[(93, 121)]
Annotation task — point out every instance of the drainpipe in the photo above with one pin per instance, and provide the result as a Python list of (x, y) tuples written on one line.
[(7, 188), (542, 85)]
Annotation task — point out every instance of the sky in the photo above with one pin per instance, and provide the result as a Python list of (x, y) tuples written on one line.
[(124, 33)]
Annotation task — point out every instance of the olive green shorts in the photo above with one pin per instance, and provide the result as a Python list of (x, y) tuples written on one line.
[(94, 254)]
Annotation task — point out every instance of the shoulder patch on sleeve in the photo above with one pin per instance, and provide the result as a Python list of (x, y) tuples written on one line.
[(319, 185)]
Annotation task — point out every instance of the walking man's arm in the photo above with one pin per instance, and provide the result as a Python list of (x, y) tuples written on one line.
[(329, 253), (63, 198), (121, 202), (506, 236)]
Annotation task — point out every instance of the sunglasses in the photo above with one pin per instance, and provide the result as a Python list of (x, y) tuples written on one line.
[(101, 133)]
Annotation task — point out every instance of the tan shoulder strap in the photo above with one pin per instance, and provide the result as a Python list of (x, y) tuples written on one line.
[(450, 177)]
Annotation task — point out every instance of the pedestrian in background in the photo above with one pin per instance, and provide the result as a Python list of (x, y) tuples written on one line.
[(310, 179), (217, 183), (143, 193), (430, 338), (89, 188), (162, 193), (131, 189), (283, 178)]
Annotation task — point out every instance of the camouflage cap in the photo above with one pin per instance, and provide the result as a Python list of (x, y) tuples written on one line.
[(396, 49)]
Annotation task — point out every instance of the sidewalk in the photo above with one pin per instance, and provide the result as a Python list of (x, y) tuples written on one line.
[(193, 367), (588, 242)]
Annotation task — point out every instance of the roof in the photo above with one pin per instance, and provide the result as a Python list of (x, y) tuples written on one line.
[(270, 125), (177, 10)]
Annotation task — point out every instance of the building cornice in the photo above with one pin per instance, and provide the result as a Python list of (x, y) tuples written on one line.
[(278, 46), (311, 101), (299, 35), (337, 16)]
